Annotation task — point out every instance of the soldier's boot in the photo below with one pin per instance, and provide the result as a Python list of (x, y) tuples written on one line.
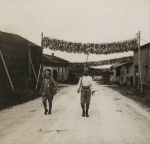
[(87, 108), (50, 108), (46, 110), (45, 107), (49, 112), (83, 113)]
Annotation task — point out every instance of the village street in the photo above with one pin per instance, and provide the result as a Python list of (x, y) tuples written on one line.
[(114, 119)]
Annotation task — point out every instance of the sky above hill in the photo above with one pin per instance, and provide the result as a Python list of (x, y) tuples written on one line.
[(85, 21)]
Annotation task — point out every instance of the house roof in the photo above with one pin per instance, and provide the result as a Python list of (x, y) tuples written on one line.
[(55, 59), (128, 63), (15, 39), (46, 59), (143, 46), (119, 65)]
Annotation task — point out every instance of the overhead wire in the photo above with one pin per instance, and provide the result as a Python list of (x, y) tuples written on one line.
[(143, 40)]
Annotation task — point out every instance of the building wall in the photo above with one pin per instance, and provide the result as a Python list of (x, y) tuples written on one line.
[(114, 71), (114, 78), (135, 64), (145, 72), (15, 51), (126, 75), (62, 72), (116, 75)]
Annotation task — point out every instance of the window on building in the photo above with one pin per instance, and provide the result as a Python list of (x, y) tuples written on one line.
[(62, 69), (58, 69), (118, 71), (66, 69), (62, 77), (136, 69), (127, 79)]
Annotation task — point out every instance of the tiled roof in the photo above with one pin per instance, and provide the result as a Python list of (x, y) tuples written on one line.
[(55, 59), (15, 39)]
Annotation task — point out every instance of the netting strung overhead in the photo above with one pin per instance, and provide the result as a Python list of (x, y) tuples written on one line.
[(103, 62), (87, 48)]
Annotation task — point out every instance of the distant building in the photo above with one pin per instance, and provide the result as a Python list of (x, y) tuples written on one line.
[(115, 77), (127, 73), (122, 73), (144, 65), (58, 67), (97, 77)]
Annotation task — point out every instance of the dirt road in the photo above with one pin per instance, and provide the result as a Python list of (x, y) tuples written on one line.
[(114, 119)]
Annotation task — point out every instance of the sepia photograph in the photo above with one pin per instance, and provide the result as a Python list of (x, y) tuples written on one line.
[(74, 71)]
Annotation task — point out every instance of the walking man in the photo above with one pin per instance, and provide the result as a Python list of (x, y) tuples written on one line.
[(86, 83), (47, 91)]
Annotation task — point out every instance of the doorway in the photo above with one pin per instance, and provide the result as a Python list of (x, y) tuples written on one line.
[(131, 80), (55, 75)]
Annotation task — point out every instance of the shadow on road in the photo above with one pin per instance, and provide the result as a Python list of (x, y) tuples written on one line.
[(22, 96)]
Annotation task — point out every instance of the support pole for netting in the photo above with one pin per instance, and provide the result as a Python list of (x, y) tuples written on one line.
[(42, 52), (32, 67), (29, 51), (139, 61), (7, 72), (41, 65), (38, 76), (86, 59)]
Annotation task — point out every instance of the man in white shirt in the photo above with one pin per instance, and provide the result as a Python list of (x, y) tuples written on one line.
[(86, 83)]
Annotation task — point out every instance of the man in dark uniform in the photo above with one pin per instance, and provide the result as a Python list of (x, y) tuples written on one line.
[(47, 91), (86, 83)]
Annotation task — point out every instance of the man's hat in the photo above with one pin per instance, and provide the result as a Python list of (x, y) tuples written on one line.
[(48, 70)]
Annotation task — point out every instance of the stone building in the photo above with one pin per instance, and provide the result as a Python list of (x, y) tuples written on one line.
[(144, 65), (58, 67), (127, 73)]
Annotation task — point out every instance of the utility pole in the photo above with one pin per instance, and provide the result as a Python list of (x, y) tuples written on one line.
[(139, 61)]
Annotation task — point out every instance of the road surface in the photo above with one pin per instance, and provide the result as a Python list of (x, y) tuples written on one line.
[(114, 119)]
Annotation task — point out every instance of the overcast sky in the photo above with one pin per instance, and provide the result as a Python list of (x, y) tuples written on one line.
[(85, 21)]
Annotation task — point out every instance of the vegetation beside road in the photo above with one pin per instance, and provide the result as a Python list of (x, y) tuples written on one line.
[(131, 92)]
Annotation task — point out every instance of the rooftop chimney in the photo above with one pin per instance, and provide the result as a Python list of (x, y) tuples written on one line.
[(52, 54)]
